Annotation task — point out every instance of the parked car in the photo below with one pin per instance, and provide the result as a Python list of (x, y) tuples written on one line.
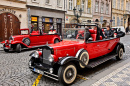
[(29, 40), (119, 28), (61, 61)]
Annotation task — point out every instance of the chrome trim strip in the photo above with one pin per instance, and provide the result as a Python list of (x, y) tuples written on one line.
[(51, 74)]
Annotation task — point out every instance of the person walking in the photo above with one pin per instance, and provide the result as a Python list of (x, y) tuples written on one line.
[(127, 30)]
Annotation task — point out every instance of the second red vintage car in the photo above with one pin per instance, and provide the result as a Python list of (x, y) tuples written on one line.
[(79, 49), (30, 40)]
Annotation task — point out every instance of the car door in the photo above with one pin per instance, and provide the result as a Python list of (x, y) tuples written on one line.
[(93, 49), (43, 39), (33, 40), (97, 48)]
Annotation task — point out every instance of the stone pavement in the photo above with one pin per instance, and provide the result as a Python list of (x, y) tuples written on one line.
[(1, 47), (119, 77)]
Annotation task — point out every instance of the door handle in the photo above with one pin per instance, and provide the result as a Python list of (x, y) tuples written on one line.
[(98, 45)]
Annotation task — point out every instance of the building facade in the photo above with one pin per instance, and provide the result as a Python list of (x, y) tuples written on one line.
[(126, 15), (44, 14), (13, 17), (102, 11), (121, 13), (71, 20)]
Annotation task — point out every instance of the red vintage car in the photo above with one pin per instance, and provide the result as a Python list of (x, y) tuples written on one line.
[(30, 40), (61, 61)]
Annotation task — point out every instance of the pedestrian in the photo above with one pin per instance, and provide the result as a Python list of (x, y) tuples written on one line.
[(127, 30)]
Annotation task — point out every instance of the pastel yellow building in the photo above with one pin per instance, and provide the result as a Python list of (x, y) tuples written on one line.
[(120, 13)]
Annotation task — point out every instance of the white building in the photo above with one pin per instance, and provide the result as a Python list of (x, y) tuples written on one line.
[(45, 13)]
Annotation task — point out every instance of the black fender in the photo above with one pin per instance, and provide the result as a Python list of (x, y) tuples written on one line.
[(120, 45), (68, 59)]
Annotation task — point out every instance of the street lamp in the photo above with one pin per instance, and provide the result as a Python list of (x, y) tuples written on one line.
[(76, 13)]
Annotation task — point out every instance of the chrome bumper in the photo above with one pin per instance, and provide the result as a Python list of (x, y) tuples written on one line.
[(44, 73)]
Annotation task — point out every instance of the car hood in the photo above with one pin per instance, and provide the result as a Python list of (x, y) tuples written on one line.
[(65, 44)]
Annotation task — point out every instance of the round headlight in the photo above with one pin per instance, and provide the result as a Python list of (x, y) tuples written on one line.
[(36, 54), (51, 58)]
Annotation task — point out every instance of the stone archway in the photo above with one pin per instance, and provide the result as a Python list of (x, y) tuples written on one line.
[(9, 25)]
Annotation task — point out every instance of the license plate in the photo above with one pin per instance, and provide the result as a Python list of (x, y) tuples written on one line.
[(38, 71)]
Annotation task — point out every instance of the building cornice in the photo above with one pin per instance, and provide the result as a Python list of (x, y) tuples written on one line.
[(10, 7), (45, 8), (19, 1)]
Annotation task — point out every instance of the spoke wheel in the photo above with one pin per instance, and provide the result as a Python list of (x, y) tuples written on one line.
[(67, 74), (120, 54)]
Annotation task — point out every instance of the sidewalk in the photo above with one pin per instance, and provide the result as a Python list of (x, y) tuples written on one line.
[(119, 77)]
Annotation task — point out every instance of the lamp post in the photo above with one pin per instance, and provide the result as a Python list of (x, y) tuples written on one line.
[(76, 14)]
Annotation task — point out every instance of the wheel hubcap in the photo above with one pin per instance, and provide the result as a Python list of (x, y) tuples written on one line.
[(69, 74), (84, 58), (121, 53)]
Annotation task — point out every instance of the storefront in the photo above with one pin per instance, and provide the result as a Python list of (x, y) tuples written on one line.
[(12, 19), (46, 19)]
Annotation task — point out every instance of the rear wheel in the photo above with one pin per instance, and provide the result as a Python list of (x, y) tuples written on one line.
[(56, 41), (120, 54), (67, 74), (18, 48)]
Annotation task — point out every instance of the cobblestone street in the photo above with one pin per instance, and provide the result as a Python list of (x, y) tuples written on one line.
[(14, 71)]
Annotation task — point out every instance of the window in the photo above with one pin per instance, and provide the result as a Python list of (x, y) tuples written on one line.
[(78, 7), (102, 7), (70, 4), (47, 1), (113, 22), (96, 6), (114, 4), (107, 9), (82, 4), (34, 22), (121, 21), (34, 0), (89, 10), (118, 4), (59, 2), (122, 4), (118, 21)]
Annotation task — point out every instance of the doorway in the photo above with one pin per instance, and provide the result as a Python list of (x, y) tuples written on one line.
[(9, 26)]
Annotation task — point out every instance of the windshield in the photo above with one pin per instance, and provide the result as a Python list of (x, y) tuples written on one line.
[(24, 32), (73, 34)]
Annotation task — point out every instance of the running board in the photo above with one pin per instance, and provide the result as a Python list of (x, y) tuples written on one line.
[(100, 60)]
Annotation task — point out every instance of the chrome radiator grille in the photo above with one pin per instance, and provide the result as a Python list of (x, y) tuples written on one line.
[(46, 54)]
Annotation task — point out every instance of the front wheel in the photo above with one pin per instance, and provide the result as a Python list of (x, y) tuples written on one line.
[(6, 50), (67, 74), (120, 54), (18, 48)]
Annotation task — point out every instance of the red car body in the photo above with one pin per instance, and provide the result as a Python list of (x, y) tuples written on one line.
[(60, 61), (35, 39)]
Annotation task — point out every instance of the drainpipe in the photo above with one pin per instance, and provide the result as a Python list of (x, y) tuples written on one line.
[(111, 13)]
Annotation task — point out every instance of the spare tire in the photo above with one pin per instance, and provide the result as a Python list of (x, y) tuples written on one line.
[(26, 41)]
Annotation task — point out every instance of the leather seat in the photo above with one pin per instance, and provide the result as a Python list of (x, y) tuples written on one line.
[(93, 34)]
